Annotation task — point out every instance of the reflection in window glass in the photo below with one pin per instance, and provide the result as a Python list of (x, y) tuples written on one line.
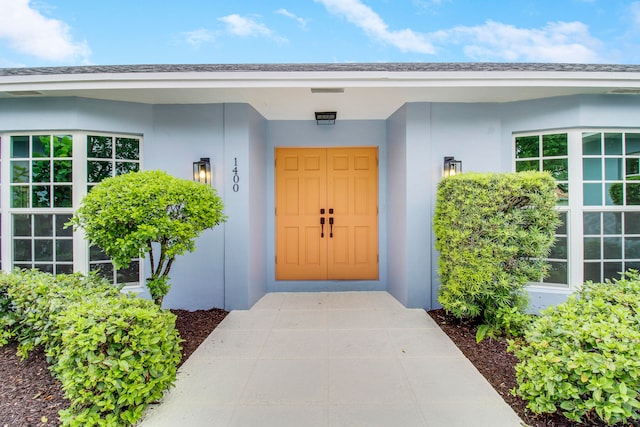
[(40, 241)]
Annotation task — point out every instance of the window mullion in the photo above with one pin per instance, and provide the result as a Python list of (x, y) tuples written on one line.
[(575, 226), (80, 244)]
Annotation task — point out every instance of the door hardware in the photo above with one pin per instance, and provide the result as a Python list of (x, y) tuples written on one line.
[(331, 225)]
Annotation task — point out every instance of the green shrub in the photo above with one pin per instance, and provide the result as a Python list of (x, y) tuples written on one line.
[(582, 358), (149, 212), (493, 231), (114, 354), (36, 298), (115, 359)]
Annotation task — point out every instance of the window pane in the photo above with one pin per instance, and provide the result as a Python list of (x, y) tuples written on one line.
[(557, 272), (43, 225), (22, 250), (554, 145), (41, 146), (559, 168), (62, 196), (126, 167), (591, 169), (62, 171), (633, 144), (127, 148), (591, 144), (613, 169), (612, 248), (592, 194), (43, 250), (592, 271), (104, 270), (97, 171), (64, 250), (614, 194), (64, 268), (41, 196), (562, 228), (61, 220), (591, 223), (632, 247), (46, 268), (19, 146), (41, 171), (62, 146), (591, 248), (611, 270), (527, 146), (20, 171), (633, 194), (562, 191), (99, 146), (612, 222), (128, 275), (612, 143), (632, 222), (527, 165), (97, 254), (559, 249), (20, 197), (22, 225)]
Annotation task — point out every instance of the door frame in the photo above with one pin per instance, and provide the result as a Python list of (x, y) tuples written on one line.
[(377, 140)]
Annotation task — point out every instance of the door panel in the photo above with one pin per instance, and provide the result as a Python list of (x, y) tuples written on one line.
[(343, 182)]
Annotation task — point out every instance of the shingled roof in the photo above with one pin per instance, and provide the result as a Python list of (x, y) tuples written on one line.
[(339, 67)]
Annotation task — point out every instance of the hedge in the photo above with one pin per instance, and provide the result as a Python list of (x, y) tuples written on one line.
[(114, 354), (493, 231)]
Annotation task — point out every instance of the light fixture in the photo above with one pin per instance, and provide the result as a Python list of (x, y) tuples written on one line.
[(202, 170), (451, 166), (326, 118)]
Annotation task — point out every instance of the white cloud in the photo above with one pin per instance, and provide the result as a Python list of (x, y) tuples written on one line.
[(28, 31), (199, 36), (370, 22), (241, 26), (494, 41), (301, 21)]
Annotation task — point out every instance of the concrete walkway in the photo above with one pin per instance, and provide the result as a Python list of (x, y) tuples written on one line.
[(329, 359)]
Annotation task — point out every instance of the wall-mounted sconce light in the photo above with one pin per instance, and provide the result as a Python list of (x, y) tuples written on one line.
[(326, 118), (202, 171), (451, 166)]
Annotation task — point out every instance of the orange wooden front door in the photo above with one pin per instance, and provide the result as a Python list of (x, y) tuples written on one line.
[(337, 186)]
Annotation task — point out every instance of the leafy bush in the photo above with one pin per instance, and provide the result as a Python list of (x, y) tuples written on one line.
[(582, 358), (493, 231), (114, 359), (114, 354), (151, 212)]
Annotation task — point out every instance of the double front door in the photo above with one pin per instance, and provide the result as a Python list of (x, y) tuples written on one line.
[(327, 213)]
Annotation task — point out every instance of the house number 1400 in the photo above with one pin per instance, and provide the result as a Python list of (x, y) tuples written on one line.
[(236, 178)]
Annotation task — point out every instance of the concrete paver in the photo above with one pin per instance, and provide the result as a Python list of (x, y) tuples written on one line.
[(329, 360)]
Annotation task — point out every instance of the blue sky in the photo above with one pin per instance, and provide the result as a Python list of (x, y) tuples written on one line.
[(99, 32)]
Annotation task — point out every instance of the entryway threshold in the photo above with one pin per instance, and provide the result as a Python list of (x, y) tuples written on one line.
[(329, 359)]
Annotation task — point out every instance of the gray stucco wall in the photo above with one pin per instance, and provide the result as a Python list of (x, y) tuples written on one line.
[(233, 264)]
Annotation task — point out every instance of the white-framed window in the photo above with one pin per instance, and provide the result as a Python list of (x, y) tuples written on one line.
[(550, 152), (45, 175), (598, 174)]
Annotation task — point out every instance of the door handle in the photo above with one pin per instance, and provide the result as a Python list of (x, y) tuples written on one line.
[(322, 223), (331, 226)]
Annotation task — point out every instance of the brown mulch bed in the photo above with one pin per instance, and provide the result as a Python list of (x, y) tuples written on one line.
[(491, 358), (31, 397)]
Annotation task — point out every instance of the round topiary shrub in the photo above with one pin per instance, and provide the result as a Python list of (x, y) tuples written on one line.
[(582, 358)]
